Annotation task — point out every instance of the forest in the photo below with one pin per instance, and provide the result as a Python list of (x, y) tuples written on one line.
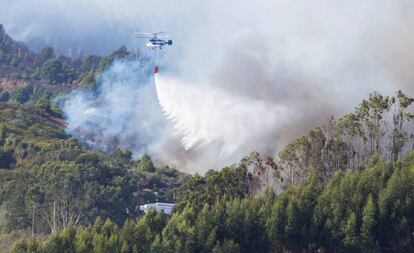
[(345, 186), (368, 210)]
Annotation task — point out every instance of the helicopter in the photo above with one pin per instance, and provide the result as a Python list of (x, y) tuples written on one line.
[(155, 41)]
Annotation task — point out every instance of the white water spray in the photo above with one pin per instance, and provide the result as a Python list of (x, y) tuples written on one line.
[(213, 121)]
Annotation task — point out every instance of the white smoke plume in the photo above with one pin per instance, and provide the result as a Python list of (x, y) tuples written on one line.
[(244, 75), (123, 111)]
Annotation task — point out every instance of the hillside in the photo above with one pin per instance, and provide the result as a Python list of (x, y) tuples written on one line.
[(27, 129), (38, 160), (44, 75), (33, 123), (16, 61), (364, 211)]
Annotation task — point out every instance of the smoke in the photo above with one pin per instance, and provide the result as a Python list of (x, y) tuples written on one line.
[(123, 111), (242, 75)]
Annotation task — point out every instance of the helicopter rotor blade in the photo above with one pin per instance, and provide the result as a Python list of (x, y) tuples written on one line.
[(143, 35), (151, 35)]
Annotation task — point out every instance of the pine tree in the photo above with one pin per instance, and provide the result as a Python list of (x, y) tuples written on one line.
[(350, 231), (368, 227)]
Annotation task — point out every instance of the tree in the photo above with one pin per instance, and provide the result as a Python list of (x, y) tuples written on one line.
[(22, 95), (228, 246), (44, 104), (88, 79), (368, 227), (371, 113), (350, 232), (230, 182), (84, 241), (307, 217), (260, 167), (276, 223), (145, 164), (91, 62), (63, 242), (400, 136), (395, 204), (52, 71), (30, 246), (47, 53), (350, 128), (121, 52), (105, 62)]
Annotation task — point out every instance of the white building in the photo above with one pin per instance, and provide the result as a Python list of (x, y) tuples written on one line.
[(159, 207)]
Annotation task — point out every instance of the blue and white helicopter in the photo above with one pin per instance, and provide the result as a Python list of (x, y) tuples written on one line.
[(155, 41)]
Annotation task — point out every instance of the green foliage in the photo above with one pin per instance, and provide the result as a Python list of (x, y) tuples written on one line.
[(91, 63), (362, 211), (378, 127), (74, 187), (47, 53), (52, 71), (368, 227), (230, 182), (102, 237), (145, 164), (226, 247), (22, 67), (52, 182), (105, 63), (44, 126), (44, 104), (29, 246), (88, 79), (22, 95)]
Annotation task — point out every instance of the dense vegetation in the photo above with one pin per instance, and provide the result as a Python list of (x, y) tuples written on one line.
[(380, 126), (368, 210), (26, 76), (48, 181)]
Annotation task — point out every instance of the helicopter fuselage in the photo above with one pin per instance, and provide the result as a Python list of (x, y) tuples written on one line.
[(158, 43)]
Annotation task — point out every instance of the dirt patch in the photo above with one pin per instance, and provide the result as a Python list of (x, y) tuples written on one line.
[(9, 85), (61, 122)]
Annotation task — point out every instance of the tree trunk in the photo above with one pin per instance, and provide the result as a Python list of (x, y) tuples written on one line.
[(54, 217), (33, 218)]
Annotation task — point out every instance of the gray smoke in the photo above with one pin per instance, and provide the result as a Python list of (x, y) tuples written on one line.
[(309, 59), (122, 111)]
